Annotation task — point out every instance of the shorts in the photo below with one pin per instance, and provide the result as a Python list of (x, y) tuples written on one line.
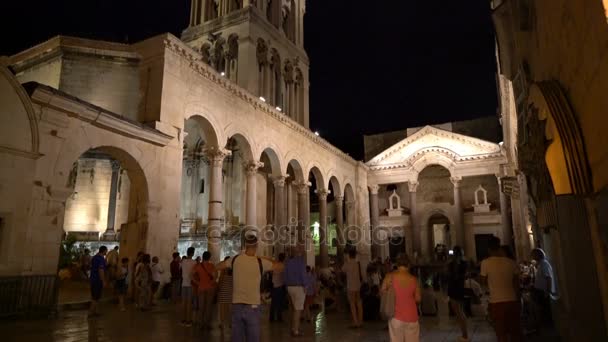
[(121, 286), (96, 290), (298, 296), (506, 317), (155, 286)]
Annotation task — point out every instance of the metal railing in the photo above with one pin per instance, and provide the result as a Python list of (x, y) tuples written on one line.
[(30, 296)]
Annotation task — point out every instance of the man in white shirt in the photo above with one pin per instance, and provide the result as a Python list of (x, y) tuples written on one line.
[(352, 269), (501, 275), (157, 271), (247, 271), (187, 267)]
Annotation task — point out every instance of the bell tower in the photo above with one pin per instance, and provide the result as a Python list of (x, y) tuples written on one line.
[(259, 45)]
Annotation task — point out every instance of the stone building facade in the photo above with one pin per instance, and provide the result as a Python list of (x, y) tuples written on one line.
[(208, 135), (437, 187), (553, 74)]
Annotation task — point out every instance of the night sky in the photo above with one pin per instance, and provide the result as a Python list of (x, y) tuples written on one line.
[(376, 66)]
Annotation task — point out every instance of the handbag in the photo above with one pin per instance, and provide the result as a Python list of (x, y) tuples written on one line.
[(387, 302)]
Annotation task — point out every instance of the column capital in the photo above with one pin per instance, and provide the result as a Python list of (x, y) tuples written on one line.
[(339, 200), (373, 189), (278, 181), (412, 186), (252, 166), (216, 155), (456, 181), (115, 165), (302, 187), (322, 194)]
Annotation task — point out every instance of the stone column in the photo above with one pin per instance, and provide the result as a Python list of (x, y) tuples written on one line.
[(505, 218), (193, 10), (302, 188), (375, 220), (214, 225), (323, 245), (251, 168), (460, 231), (246, 3), (412, 187), (110, 232), (340, 226), (280, 214)]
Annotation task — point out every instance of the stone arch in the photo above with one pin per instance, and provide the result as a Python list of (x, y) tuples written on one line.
[(133, 236), (297, 169), (18, 124), (335, 184), (210, 129), (565, 155), (317, 174), (242, 139), (424, 159), (276, 165)]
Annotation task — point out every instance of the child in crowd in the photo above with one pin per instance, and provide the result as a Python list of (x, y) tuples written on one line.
[(121, 282)]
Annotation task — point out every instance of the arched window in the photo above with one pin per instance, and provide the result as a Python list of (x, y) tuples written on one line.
[(262, 57), (232, 56), (299, 97), (219, 55), (288, 76), (276, 91), (288, 19)]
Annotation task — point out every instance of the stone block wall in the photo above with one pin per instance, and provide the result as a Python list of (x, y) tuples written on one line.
[(110, 84)]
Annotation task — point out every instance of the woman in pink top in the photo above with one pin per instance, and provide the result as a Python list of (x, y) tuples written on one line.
[(403, 327)]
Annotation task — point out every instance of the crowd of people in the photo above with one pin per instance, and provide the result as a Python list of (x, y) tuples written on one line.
[(240, 286)]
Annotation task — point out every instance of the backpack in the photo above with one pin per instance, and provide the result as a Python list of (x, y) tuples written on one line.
[(260, 267)]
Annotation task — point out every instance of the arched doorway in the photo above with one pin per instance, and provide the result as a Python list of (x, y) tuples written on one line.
[(108, 207), (439, 232)]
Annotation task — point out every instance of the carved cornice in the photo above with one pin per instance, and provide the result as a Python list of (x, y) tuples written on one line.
[(48, 97), (194, 58), (492, 148), (412, 186), (408, 163)]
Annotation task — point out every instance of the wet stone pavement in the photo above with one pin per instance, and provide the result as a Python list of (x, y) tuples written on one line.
[(161, 324)]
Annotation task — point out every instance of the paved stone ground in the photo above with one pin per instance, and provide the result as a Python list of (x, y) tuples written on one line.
[(161, 324)]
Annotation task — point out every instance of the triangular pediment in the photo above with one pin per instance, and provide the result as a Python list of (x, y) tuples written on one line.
[(434, 139)]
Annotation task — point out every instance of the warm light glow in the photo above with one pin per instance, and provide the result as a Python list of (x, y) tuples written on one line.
[(262, 99), (317, 133), (279, 108), (223, 73)]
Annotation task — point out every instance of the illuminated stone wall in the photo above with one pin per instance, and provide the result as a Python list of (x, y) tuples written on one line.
[(87, 209)]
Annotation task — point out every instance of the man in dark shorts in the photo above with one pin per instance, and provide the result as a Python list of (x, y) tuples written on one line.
[(98, 268)]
